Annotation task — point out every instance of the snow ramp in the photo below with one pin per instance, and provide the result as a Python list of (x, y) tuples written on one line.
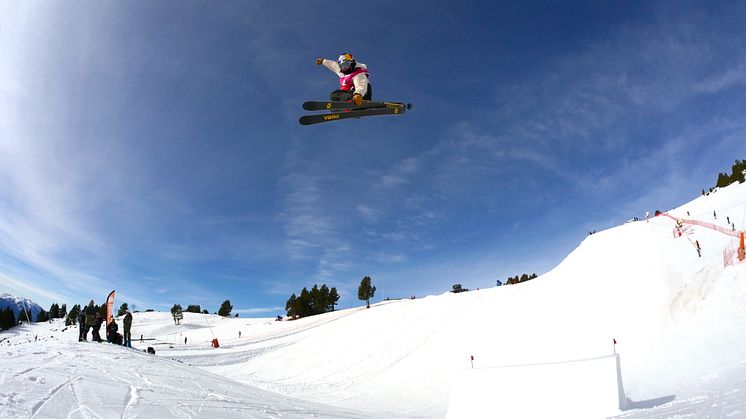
[(587, 388)]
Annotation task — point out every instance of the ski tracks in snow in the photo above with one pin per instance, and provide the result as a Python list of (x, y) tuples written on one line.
[(52, 393)]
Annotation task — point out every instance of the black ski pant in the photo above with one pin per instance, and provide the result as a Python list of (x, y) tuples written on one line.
[(346, 95)]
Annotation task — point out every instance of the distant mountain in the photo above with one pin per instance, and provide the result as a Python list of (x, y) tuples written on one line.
[(17, 304)]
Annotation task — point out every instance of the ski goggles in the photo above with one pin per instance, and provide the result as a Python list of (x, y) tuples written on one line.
[(345, 65)]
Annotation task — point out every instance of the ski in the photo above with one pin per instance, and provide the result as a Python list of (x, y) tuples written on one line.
[(331, 105), (354, 113)]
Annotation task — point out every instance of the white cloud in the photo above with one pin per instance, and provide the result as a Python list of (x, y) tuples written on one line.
[(258, 310), (24, 288)]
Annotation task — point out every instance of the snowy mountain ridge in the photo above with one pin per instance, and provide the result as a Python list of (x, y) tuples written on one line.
[(17, 304)]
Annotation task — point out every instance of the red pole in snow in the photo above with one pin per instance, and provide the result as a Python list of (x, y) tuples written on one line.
[(472, 362), (614, 346)]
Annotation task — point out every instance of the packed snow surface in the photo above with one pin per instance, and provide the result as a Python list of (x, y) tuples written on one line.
[(679, 321)]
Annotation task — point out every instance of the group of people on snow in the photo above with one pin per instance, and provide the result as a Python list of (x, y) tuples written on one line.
[(90, 319)]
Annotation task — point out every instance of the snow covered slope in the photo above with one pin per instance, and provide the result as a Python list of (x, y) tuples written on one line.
[(46, 373), (679, 321)]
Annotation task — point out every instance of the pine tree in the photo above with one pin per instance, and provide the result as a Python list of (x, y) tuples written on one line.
[(290, 306), (723, 180), (9, 318), (366, 290), (191, 308), (122, 309), (738, 173), (225, 308), (54, 311), (43, 316), (23, 316), (333, 298), (177, 313), (72, 316), (317, 299), (5, 322), (63, 311)]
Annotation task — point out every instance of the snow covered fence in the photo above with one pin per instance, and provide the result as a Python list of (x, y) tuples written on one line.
[(587, 388)]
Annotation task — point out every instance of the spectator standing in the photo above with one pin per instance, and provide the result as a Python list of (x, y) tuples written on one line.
[(90, 321), (128, 329), (82, 334), (97, 327)]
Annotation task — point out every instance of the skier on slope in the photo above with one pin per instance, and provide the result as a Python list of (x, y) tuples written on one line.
[(354, 81)]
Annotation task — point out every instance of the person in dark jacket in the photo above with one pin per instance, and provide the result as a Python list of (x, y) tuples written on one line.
[(90, 319), (83, 334), (127, 329), (97, 327), (111, 331)]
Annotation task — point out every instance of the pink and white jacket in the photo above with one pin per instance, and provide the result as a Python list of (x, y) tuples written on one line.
[(356, 81)]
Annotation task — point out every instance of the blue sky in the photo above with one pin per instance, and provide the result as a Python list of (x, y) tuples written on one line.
[(153, 148)]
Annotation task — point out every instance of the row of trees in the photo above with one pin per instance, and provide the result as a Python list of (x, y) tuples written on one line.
[(523, 278), (309, 303), (457, 288), (736, 175), (177, 311), (8, 317), (55, 312), (323, 299)]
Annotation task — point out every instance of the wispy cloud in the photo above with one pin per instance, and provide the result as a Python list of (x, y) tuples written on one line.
[(258, 310), (25, 287)]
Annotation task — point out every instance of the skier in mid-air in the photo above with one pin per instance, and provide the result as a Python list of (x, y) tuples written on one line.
[(353, 99), (354, 83)]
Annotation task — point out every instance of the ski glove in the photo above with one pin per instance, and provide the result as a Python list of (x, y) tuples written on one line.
[(319, 61), (358, 99)]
